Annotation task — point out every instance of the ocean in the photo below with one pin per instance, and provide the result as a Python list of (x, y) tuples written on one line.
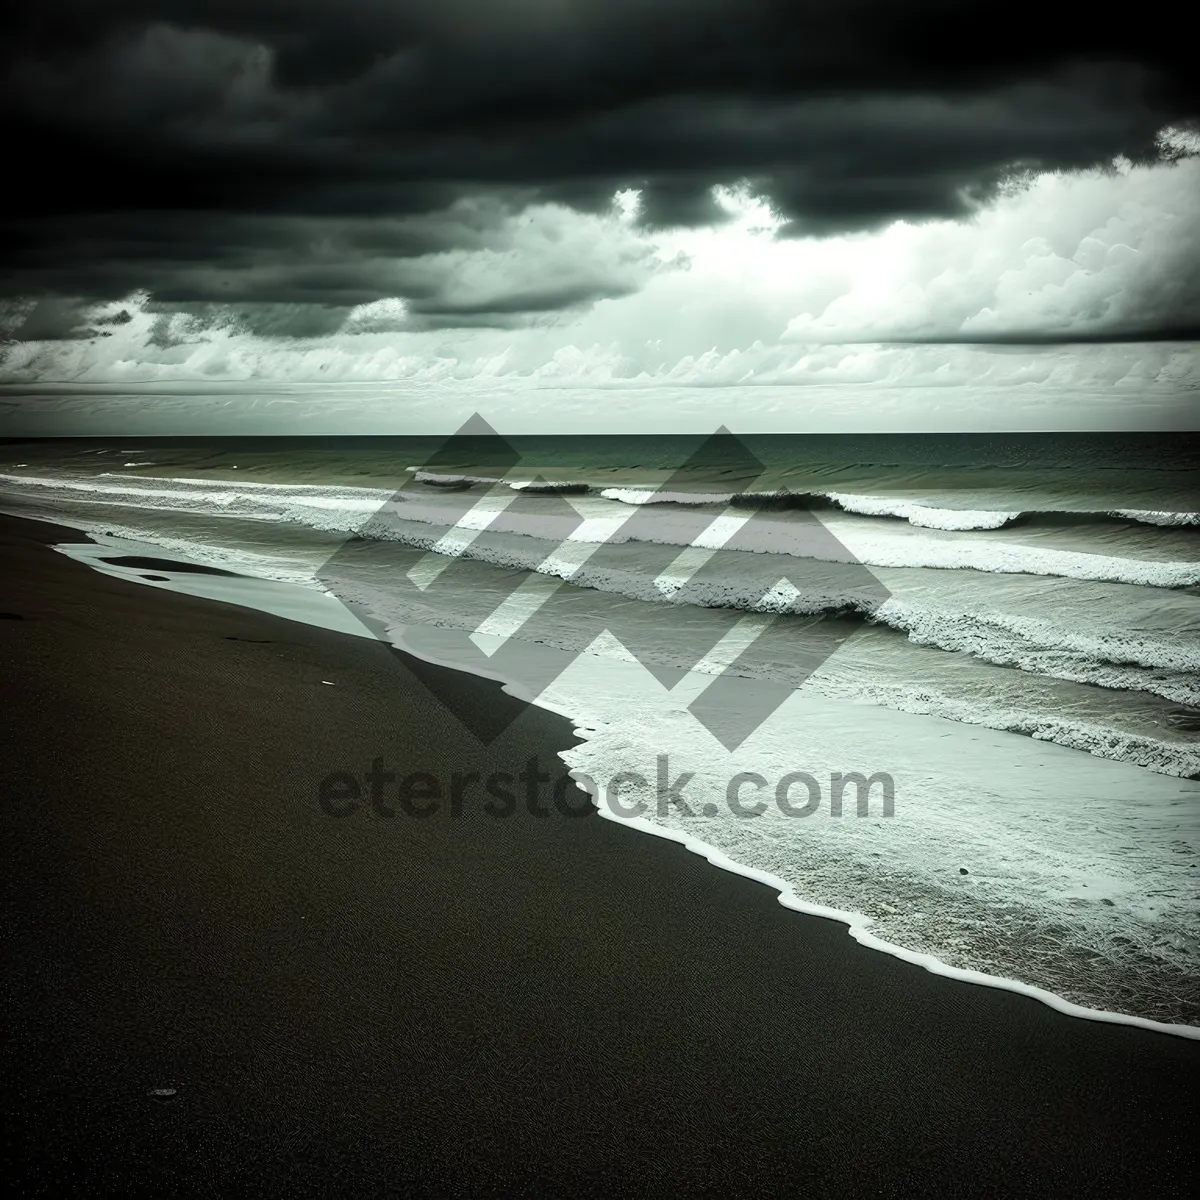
[(999, 635)]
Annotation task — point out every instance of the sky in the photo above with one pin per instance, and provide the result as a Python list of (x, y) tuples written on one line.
[(818, 204)]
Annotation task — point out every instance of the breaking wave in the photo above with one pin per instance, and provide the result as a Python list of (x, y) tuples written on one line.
[(924, 516)]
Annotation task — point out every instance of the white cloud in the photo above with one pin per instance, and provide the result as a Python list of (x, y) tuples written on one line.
[(1078, 254)]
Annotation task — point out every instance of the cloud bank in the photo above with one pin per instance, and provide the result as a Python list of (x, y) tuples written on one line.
[(558, 297)]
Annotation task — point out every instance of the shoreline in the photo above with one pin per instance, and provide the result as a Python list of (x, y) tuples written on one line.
[(858, 925), (623, 968)]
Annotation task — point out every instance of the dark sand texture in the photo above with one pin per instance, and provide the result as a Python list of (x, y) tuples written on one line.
[(524, 1006)]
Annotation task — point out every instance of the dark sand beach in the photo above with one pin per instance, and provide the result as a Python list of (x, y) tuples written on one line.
[(542, 1006)]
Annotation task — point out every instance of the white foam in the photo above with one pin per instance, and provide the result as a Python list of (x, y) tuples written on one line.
[(1107, 658), (879, 548), (640, 496), (1158, 754), (922, 515), (1039, 830), (549, 486), (323, 508), (1129, 828), (859, 928), (1147, 517)]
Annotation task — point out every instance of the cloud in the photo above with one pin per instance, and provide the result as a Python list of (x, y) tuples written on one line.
[(445, 189), (473, 259), (1090, 256), (231, 114)]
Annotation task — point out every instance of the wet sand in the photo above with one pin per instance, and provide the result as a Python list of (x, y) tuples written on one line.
[(528, 1005)]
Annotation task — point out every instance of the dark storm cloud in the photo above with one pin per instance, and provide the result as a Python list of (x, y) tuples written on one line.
[(252, 152)]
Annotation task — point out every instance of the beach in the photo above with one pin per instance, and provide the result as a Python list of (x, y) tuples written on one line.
[(457, 1002), (1004, 632)]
